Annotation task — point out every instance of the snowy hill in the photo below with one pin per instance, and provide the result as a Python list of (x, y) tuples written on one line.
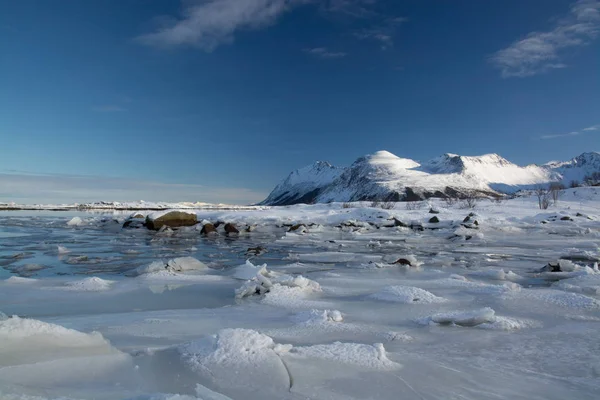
[(383, 176)]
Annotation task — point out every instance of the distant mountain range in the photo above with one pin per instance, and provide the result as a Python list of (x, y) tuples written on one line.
[(384, 176)]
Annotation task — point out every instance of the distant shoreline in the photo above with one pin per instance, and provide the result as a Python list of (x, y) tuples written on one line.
[(32, 208)]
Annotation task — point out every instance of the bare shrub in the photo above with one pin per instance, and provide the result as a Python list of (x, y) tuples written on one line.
[(469, 201), (543, 195), (556, 191), (450, 201), (388, 205), (347, 205), (414, 205), (574, 184), (375, 204)]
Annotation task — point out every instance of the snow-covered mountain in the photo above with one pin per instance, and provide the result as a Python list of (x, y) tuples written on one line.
[(577, 168), (385, 177), (304, 185)]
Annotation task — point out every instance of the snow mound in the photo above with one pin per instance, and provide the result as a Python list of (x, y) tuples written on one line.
[(92, 284), (407, 295), (19, 280), (239, 358), (24, 340), (361, 355), (462, 318)]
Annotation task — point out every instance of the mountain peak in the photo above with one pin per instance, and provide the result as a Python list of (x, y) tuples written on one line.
[(385, 176)]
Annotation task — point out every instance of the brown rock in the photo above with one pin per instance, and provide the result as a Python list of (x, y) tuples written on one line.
[(173, 219), (230, 228), (434, 220), (208, 228)]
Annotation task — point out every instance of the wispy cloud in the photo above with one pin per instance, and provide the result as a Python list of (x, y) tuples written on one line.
[(351, 8), (571, 134), (540, 52), (560, 135), (323, 52), (383, 32), (108, 108), (592, 128), (210, 23), (29, 188)]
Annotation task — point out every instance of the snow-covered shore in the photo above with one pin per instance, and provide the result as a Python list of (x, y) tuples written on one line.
[(328, 301)]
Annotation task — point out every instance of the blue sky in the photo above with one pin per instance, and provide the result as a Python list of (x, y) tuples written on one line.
[(217, 100)]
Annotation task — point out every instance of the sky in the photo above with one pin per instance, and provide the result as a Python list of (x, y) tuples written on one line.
[(218, 100)]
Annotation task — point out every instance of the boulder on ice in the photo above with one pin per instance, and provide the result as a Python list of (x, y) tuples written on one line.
[(172, 219)]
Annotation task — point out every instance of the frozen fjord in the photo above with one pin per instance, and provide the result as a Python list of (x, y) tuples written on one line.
[(111, 313)]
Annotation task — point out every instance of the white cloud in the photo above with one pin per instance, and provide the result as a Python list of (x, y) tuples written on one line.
[(323, 52), (207, 24), (108, 108), (592, 128), (210, 23), (571, 134), (540, 52), (28, 188), (560, 135)]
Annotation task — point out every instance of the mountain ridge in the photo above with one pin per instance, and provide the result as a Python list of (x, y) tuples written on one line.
[(383, 176)]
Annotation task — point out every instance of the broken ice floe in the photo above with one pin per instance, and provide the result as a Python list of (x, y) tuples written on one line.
[(180, 264), (266, 281)]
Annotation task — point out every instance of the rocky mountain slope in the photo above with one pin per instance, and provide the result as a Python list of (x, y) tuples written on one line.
[(383, 176)]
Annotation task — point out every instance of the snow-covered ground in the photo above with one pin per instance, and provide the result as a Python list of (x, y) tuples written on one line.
[(319, 302)]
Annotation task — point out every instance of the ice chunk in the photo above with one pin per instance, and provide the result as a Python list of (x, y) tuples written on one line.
[(181, 264), (463, 318), (155, 266), (75, 221), (63, 250), (265, 281), (248, 270), (407, 295), (24, 340), (185, 264)]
